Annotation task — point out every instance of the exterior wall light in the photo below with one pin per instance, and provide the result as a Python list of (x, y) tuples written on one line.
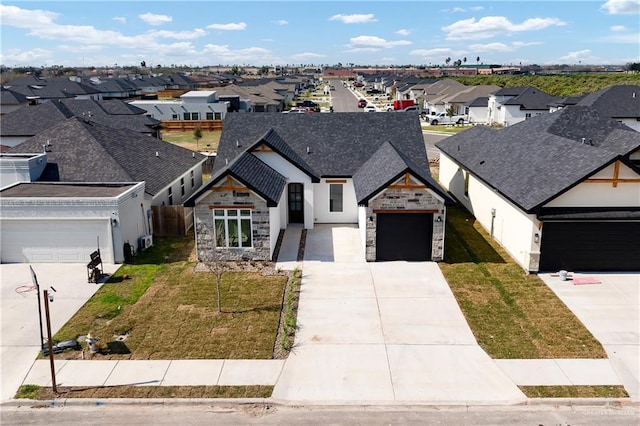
[(536, 238)]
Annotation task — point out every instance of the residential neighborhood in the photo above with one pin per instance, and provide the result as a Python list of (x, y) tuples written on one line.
[(392, 241)]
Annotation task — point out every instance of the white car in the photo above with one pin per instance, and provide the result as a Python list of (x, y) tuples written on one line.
[(370, 108)]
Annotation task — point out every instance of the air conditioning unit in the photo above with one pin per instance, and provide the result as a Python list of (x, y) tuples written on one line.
[(146, 241)]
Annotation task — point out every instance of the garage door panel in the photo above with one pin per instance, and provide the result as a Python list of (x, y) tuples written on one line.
[(404, 236), (590, 246), (41, 241)]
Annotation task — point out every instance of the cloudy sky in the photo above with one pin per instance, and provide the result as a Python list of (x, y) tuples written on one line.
[(197, 33)]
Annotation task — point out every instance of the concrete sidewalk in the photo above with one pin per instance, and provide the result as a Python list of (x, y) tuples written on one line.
[(288, 256), (237, 372)]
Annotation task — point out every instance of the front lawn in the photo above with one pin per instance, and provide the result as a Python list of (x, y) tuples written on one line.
[(208, 143), (511, 314), (165, 310)]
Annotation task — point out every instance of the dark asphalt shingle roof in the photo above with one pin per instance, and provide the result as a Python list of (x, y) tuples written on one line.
[(482, 101), (621, 101), (531, 98), (82, 151), (536, 160), (339, 143), (11, 97), (33, 119), (384, 167), (276, 143), (254, 173)]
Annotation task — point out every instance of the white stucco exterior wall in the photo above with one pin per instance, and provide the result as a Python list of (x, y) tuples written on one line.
[(362, 227), (589, 194), (293, 175), (634, 123), (274, 228), (349, 213), (511, 227), (162, 197)]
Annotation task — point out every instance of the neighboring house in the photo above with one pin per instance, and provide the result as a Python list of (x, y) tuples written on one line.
[(273, 170), (66, 222), (26, 122), (11, 100), (193, 105), (435, 94), (460, 99), (478, 110), (622, 103), (83, 151), (512, 105), (560, 191)]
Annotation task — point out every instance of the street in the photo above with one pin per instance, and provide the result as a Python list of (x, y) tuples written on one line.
[(215, 413)]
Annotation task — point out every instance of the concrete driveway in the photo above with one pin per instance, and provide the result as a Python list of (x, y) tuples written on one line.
[(610, 310), (382, 333), (19, 319)]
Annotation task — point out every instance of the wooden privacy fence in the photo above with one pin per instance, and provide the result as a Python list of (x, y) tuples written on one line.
[(171, 221), (189, 125)]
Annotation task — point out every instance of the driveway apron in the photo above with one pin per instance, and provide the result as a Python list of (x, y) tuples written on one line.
[(388, 332)]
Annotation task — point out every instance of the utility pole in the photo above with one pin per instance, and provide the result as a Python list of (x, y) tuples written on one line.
[(50, 341)]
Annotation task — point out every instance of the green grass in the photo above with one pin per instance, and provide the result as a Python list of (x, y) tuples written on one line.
[(443, 128), (168, 311), (209, 141), (574, 391), (512, 315), (290, 325), (46, 393)]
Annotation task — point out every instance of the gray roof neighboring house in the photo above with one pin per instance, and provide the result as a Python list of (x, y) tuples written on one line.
[(31, 120), (482, 101), (534, 161), (621, 101), (531, 98), (82, 151), (11, 97), (471, 93)]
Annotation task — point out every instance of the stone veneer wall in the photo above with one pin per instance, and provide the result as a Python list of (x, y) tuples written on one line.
[(406, 199), (205, 231)]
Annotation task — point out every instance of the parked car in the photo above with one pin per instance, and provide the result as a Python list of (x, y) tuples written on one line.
[(362, 103), (358, 84), (309, 104), (370, 108), (388, 107), (412, 108)]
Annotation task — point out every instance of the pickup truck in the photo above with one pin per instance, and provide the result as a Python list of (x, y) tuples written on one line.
[(443, 118)]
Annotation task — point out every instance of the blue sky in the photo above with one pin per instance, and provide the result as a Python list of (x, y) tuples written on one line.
[(198, 33)]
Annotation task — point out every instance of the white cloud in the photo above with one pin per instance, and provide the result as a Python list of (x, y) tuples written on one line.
[(307, 55), (462, 9), (622, 7), (579, 55), (490, 26), (232, 26), (281, 22), (476, 8), (223, 55), (120, 19), (437, 55), (26, 57), (179, 35), (373, 44), (403, 32), (357, 18), (500, 47), (626, 38), (618, 28), (153, 19), (14, 16)]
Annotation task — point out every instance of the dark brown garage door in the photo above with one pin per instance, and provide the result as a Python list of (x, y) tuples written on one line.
[(590, 246), (404, 236)]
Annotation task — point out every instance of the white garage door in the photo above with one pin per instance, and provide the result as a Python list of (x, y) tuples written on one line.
[(65, 241)]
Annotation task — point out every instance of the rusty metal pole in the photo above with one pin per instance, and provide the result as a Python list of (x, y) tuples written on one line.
[(50, 342)]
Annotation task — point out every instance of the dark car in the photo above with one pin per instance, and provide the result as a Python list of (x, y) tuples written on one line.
[(362, 103), (308, 104)]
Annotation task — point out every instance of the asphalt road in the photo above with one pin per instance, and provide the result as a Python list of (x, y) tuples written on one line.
[(261, 414), (343, 99)]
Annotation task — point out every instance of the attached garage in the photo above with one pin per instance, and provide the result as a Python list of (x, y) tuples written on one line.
[(65, 222), (55, 241), (404, 236), (590, 246)]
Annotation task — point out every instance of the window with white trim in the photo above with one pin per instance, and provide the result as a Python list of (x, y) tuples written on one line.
[(193, 180), (335, 197), (232, 228)]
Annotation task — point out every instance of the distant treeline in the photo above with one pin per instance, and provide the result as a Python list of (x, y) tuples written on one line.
[(557, 84)]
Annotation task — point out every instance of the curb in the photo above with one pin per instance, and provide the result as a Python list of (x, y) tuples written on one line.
[(609, 403)]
